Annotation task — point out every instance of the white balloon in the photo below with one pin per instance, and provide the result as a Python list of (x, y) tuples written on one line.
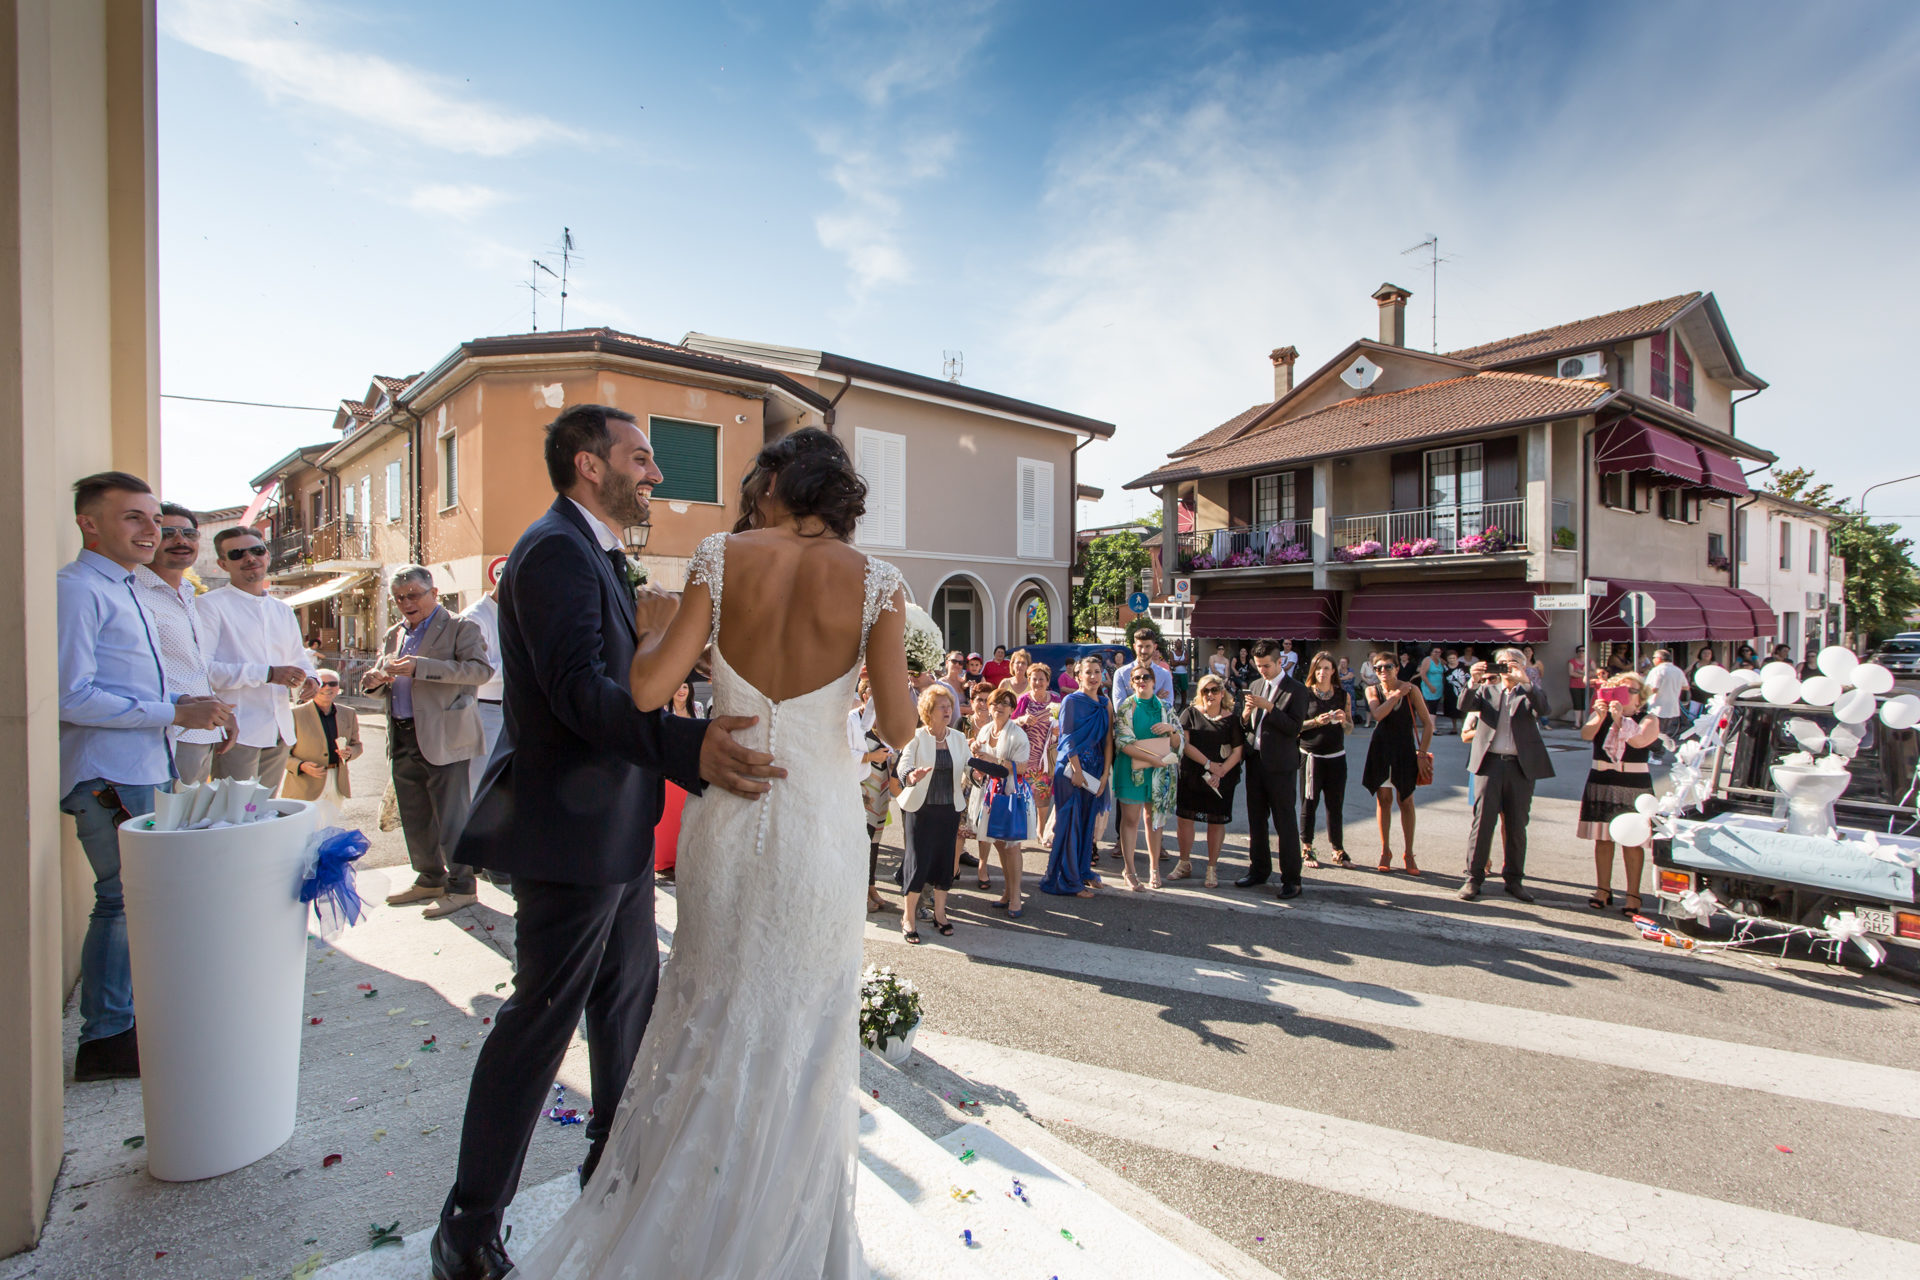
[(1838, 661), (1630, 829), (1773, 669), (1846, 740), (1820, 691), (1646, 804), (1781, 688), (1873, 678), (1808, 734), (1713, 678), (1855, 707), (1902, 712), (1744, 676)]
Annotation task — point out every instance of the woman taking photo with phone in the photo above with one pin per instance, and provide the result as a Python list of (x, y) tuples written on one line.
[(1402, 733), (1621, 735)]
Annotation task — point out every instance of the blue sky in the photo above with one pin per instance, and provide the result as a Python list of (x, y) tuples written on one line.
[(1113, 208)]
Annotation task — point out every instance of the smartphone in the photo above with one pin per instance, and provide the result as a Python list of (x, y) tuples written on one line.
[(1613, 695)]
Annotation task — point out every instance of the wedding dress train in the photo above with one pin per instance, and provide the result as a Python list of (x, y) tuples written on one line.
[(733, 1151)]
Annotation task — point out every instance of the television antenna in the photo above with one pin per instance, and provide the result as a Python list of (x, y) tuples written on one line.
[(567, 254), (953, 364), (532, 285), (1432, 245)]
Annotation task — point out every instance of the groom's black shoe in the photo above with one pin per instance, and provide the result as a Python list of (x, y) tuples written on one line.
[(488, 1262)]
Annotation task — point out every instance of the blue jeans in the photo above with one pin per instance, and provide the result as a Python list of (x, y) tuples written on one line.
[(106, 972)]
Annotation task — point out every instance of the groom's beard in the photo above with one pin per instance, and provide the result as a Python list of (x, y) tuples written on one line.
[(622, 501)]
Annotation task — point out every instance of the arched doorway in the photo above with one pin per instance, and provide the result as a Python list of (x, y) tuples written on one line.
[(1035, 616), (963, 610)]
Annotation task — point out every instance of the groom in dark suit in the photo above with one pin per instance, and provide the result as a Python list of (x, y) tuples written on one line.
[(1508, 757), (1275, 708), (567, 806)]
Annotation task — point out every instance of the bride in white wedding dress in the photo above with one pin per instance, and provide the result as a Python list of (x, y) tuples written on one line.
[(733, 1152)]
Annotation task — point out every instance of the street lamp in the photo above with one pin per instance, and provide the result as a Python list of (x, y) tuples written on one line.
[(1883, 484)]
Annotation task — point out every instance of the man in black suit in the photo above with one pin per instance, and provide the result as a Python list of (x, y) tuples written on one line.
[(567, 807), (1274, 711), (1509, 757)]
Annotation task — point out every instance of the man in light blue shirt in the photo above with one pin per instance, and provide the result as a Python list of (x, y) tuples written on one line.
[(1145, 649), (115, 709)]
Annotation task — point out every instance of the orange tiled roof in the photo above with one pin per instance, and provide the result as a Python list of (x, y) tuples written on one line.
[(1222, 433), (1595, 331), (1432, 410), (360, 412), (394, 386), (616, 335)]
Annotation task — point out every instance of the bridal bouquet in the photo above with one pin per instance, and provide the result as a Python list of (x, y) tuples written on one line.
[(926, 648), (889, 1007)]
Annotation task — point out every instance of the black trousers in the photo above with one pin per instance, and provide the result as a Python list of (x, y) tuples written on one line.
[(579, 947), (1271, 792), (1505, 795), (434, 799), (1330, 788)]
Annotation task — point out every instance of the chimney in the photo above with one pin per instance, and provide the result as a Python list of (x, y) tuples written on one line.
[(1393, 314), (1283, 358)]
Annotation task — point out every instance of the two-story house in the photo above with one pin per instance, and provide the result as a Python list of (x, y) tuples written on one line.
[(1400, 498), (1783, 553), (971, 493), (371, 533), (300, 504)]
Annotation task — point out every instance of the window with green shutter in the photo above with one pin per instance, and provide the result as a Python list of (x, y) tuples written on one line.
[(688, 455)]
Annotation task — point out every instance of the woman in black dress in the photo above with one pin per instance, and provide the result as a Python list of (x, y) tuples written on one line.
[(1622, 734), (1402, 730), (1323, 759), (1209, 771), (931, 769)]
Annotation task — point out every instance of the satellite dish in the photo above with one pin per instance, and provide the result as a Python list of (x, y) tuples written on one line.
[(1361, 374)]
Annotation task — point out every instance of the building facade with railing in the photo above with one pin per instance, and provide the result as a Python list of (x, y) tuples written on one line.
[(1398, 498)]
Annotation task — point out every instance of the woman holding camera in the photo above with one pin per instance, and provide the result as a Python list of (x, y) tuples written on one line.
[(1622, 734), (1402, 732)]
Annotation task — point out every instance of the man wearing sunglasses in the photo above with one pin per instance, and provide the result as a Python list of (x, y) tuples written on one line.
[(255, 654), (327, 739), (179, 632)]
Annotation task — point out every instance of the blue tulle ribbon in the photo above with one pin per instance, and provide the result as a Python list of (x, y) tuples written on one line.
[(329, 885)]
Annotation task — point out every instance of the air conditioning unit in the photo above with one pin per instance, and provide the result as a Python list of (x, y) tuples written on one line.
[(1591, 365)]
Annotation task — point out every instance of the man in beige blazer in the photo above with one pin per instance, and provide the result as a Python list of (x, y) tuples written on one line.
[(326, 739), (431, 665)]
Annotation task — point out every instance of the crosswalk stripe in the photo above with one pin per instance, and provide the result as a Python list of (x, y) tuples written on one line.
[(1670, 1232), (1836, 1081)]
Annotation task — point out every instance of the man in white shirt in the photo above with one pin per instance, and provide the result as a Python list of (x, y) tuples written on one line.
[(177, 629), (1146, 649), (255, 654), (1666, 687), (485, 613)]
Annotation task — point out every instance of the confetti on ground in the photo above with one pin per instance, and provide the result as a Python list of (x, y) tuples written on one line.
[(499, 986), (401, 1009), (364, 986), (420, 1022), (966, 1239), (369, 994), (433, 1129), (966, 1157), (134, 1143), (313, 1022), (159, 1254), (430, 1045), (958, 1194), (378, 1235), (485, 1021), (307, 1269), (331, 1161), (466, 1044), (379, 1134), (320, 992), (403, 1064), (1783, 1150)]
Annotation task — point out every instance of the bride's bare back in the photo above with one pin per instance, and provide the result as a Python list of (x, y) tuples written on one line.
[(790, 617)]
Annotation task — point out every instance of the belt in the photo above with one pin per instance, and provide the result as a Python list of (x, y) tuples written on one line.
[(491, 702), (405, 720)]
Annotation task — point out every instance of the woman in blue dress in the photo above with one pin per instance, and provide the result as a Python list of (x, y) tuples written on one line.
[(1085, 757)]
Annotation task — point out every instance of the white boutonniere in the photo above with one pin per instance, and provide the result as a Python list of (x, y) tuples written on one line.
[(636, 575)]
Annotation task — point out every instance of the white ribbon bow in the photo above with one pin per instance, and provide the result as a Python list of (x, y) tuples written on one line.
[(1846, 927), (1700, 905)]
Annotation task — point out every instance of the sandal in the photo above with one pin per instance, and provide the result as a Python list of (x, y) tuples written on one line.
[(1600, 899), (943, 928), (1307, 858), (1412, 869), (1133, 882), (1213, 881), (1017, 913), (1153, 879), (1340, 858), (912, 937), (1002, 905), (1386, 863), (1085, 892), (1182, 870), (986, 886), (1633, 905)]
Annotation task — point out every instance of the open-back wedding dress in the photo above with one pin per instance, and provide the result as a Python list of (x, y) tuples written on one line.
[(733, 1151)]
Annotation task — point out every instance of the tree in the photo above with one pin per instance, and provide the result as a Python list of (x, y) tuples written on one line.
[(1037, 620), (1883, 585), (1115, 567)]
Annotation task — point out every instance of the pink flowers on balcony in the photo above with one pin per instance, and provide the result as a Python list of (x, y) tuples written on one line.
[(1358, 551), (1243, 560), (1202, 561), (1416, 547), (1289, 553), (1489, 540)]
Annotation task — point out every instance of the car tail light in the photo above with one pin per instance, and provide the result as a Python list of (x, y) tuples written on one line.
[(1675, 882), (1906, 924)]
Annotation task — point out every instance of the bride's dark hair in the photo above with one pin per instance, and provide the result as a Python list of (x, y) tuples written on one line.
[(808, 473)]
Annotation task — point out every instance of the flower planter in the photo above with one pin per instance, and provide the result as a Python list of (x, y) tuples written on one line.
[(899, 1048)]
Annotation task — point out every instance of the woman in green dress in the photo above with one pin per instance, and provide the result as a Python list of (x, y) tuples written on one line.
[(1148, 751)]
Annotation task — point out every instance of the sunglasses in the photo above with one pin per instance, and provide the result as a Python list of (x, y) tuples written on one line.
[(241, 553), (329, 684), (186, 533)]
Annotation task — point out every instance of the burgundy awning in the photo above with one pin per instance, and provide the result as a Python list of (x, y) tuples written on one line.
[(1477, 612), (1684, 611), (1633, 445), (1723, 474), (1297, 614)]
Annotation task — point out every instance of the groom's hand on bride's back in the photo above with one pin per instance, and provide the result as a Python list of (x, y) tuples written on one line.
[(727, 764)]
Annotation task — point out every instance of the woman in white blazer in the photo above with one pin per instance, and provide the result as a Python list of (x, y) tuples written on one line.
[(1004, 742), (933, 768)]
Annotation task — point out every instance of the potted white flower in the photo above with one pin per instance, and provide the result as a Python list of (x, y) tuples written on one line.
[(889, 1013)]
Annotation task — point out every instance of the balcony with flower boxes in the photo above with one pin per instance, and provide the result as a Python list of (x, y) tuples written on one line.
[(1275, 545), (1495, 530)]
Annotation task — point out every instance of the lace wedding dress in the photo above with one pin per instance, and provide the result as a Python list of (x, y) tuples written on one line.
[(733, 1151)]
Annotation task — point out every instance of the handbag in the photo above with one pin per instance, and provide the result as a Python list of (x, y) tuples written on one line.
[(1009, 812), (1423, 768)]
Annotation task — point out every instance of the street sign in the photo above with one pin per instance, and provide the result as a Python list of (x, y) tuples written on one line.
[(494, 566), (1183, 590), (1636, 609), (1596, 587), (1137, 602), (1546, 603)]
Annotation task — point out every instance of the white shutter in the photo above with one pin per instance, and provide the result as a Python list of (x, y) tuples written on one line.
[(366, 499), (1035, 509), (393, 491), (881, 458)]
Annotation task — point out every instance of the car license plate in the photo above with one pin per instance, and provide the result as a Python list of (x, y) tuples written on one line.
[(1874, 921)]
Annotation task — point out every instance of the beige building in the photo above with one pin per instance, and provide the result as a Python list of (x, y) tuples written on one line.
[(1400, 498), (79, 392), (1783, 553), (371, 533), (970, 493)]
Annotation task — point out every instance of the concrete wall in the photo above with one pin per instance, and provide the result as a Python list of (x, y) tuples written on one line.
[(77, 198)]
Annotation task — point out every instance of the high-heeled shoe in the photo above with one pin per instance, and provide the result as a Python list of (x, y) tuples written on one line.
[(1386, 862), (1412, 868)]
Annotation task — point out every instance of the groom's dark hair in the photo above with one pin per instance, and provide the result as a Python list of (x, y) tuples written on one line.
[(580, 428)]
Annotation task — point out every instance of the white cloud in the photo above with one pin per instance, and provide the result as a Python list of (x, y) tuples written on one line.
[(887, 49), (459, 200), (867, 228), (289, 65)]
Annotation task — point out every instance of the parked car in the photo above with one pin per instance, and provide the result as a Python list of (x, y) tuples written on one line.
[(1901, 655)]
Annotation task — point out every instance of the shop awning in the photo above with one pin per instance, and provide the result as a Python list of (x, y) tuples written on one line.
[(1633, 445), (1267, 615), (1723, 474), (1476, 612), (1684, 611), (328, 589)]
